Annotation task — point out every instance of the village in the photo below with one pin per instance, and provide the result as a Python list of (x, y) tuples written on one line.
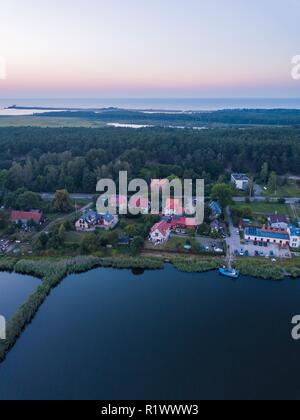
[(242, 229)]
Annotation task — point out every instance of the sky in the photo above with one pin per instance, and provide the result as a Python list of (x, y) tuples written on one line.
[(149, 48)]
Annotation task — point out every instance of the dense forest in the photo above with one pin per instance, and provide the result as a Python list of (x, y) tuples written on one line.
[(44, 159), (223, 117)]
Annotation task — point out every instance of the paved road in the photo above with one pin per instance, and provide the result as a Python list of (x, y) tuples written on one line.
[(50, 196), (288, 200), (234, 241)]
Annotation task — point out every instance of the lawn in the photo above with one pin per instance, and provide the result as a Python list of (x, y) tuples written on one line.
[(175, 244), (291, 189), (265, 208)]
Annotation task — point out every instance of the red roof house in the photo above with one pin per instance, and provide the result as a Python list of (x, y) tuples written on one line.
[(26, 216)]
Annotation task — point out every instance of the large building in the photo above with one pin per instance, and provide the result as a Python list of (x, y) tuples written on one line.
[(269, 236), (241, 181), (294, 236)]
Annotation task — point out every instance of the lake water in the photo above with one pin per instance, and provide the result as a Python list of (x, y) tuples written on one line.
[(14, 290), (110, 334)]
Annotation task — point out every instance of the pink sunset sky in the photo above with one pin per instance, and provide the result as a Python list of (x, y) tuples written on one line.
[(170, 48)]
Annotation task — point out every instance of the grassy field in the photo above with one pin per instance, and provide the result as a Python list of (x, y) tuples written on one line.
[(265, 208), (291, 189), (30, 121)]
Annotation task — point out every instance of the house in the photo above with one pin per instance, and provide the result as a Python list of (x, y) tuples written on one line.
[(278, 221), (109, 221), (160, 232), (87, 221), (91, 220), (173, 207), (216, 209), (118, 202), (294, 236), (139, 203), (273, 236), (25, 217), (240, 181)]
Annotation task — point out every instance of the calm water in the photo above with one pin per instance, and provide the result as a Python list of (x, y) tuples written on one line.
[(109, 334), (14, 290), (178, 104)]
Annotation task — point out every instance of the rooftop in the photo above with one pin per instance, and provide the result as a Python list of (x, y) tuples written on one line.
[(294, 231), (36, 216), (215, 207), (278, 218), (240, 177), (260, 233)]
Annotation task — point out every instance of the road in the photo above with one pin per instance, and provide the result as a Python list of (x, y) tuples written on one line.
[(261, 199), (60, 219), (233, 241), (77, 196)]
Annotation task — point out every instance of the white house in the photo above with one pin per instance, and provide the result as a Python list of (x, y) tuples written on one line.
[(241, 181), (91, 220), (160, 232), (294, 236)]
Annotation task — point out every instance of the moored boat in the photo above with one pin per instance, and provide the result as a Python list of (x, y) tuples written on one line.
[(229, 272)]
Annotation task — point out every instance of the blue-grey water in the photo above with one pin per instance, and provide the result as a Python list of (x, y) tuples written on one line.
[(171, 104), (14, 290), (110, 334)]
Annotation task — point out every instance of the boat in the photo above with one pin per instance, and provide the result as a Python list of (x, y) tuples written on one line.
[(229, 272)]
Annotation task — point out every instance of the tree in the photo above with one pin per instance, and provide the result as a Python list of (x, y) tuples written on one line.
[(3, 220), (41, 242), (28, 201), (223, 194), (62, 202), (264, 174), (273, 182), (251, 187), (137, 245)]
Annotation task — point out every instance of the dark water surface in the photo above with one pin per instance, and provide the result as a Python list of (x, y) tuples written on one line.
[(110, 334), (14, 290)]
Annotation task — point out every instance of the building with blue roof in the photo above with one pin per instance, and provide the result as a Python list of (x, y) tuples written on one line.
[(274, 236), (92, 220), (215, 208)]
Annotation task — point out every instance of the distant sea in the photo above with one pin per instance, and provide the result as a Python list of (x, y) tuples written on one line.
[(161, 104)]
